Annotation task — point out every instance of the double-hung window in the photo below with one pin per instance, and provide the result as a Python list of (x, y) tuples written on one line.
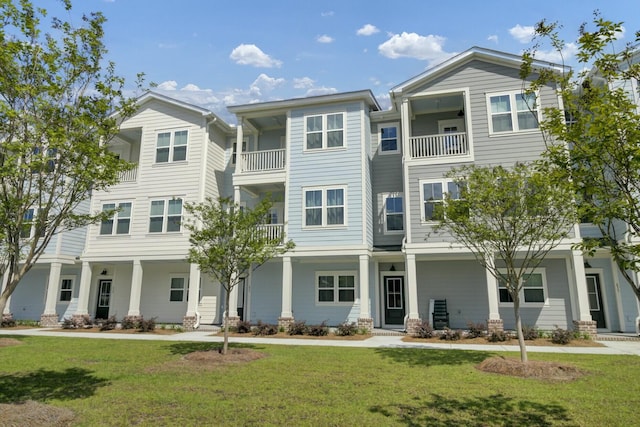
[(393, 213), (389, 139), (324, 131), (66, 289), (171, 146), (178, 289), (335, 287), (433, 197), (533, 292), (27, 223), (512, 112), (324, 207), (165, 216), (121, 219)]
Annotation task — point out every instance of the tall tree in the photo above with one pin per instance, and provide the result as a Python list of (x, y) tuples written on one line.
[(596, 136), (228, 241), (510, 219), (58, 107)]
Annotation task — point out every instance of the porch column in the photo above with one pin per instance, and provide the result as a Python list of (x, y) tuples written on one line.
[(238, 153), (83, 293), (286, 315), (494, 322), (136, 289), (50, 317), (236, 194), (191, 319), (412, 294), (582, 320), (233, 306), (364, 320)]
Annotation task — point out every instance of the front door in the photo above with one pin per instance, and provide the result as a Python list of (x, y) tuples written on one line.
[(104, 297), (394, 300), (595, 300)]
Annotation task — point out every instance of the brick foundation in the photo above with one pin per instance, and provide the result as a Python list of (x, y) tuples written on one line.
[(495, 325), (189, 322), (586, 326), (7, 317), (412, 326), (366, 323), (49, 321), (285, 322)]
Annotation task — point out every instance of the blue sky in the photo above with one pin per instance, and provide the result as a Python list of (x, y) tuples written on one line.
[(218, 53)]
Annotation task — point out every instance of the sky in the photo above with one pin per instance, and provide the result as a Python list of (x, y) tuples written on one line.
[(217, 53)]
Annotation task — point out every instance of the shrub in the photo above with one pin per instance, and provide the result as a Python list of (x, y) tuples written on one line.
[(320, 330), (298, 328), (498, 336), (476, 330), (561, 336), (108, 324), (129, 322), (424, 330), (69, 323), (147, 325), (530, 332), (346, 329), (75, 323), (7, 322), (244, 327), (265, 329), (450, 334)]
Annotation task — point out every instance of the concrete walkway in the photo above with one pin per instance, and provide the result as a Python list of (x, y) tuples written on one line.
[(630, 347)]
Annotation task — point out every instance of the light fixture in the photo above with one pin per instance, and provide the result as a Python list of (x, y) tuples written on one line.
[(393, 268), (461, 113), (103, 272), (587, 265)]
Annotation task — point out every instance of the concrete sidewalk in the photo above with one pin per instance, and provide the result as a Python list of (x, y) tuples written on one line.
[(377, 341)]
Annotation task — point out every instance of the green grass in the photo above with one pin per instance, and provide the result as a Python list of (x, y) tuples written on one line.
[(121, 383)]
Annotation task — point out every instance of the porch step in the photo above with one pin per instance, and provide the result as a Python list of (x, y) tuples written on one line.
[(388, 333), (207, 309), (617, 337)]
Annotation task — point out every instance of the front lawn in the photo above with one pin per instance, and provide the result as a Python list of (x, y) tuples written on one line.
[(149, 383)]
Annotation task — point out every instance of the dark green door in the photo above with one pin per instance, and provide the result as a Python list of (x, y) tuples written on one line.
[(104, 298), (595, 300), (394, 300)]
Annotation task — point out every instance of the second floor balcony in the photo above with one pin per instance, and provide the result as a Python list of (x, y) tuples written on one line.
[(438, 146), (262, 161)]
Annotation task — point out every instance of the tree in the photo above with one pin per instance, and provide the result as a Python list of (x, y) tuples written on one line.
[(515, 216), (596, 137), (59, 109), (227, 242)]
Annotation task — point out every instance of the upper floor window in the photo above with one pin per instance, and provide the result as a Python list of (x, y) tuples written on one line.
[(66, 288), (27, 223), (121, 219), (389, 139), (324, 207), (335, 287), (393, 213), (534, 289), (512, 112), (165, 216), (432, 194), (324, 131), (234, 154), (171, 146)]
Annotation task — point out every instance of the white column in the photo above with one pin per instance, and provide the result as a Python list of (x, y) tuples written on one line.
[(582, 296), (194, 290), (53, 288), (5, 280), (236, 194), (85, 289), (492, 290), (364, 287), (136, 289), (233, 301), (412, 287), (287, 288), (239, 138)]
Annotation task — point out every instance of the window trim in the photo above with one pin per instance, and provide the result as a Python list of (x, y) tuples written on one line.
[(165, 215), (29, 222), (336, 288), (385, 228), (184, 289), (70, 290), (445, 190), (116, 217), (543, 274), (513, 112), (324, 225), (172, 137), (324, 131), (398, 141)]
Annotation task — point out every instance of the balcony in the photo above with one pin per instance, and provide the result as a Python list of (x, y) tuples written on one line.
[(455, 144), (272, 231), (129, 176), (262, 161)]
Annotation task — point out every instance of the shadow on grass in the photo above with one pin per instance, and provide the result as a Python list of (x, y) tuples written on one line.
[(497, 409), (189, 347), (431, 357), (42, 385)]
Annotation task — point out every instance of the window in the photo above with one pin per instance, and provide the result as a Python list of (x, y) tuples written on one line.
[(66, 289), (389, 139), (324, 131), (178, 289), (512, 112), (393, 213), (27, 223), (433, 197), (165, 216), (324, 207), (171, 146), (234, 153), (121, 219), (533, 289), (335, 287)]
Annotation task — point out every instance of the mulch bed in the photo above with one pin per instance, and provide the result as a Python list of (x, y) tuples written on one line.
[(156, 331), (7, 342), (302, 337), (34, 414), (547, 371), (544, 342)]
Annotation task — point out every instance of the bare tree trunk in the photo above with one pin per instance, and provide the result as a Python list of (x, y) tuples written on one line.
[(225, 344), (3, 303), (521, 343)]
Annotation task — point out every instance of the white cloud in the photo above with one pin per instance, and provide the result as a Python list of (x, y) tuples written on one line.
[(264, 83), (523, 34), (250, 54), (324, 39), (328, 13), (384, 99), (374, 81), (323, 90), (412, 45), (191, 87), (168, 85), (303, 83), (493, 38), (367, 30), (552, 55)]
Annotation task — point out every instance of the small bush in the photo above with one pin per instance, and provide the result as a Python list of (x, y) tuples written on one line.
[(498, 336), (68, 323), (265, 329), (147, 325), (530, 333), (320, 330), (108, 324), (346, 329), (298, 328), (32, 323), (76, 323), (129, 322), (451, 335), (424, 330), (7, 322), (476, 330), (244, 327), (561, 336)]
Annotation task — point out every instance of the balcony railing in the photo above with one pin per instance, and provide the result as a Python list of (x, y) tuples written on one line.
[(129, 176), (442, 145), (272, 231), (259, 161)]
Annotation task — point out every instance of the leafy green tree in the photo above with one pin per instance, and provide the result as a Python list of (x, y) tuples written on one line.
[(227, 242), (596, 136), (58, 107), (510, 219)]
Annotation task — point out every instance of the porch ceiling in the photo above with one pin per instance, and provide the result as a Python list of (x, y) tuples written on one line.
[(434, 104)]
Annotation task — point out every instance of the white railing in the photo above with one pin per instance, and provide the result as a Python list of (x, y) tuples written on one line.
[(257, 161), (272, 231), (130, 175), (442, 145)]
